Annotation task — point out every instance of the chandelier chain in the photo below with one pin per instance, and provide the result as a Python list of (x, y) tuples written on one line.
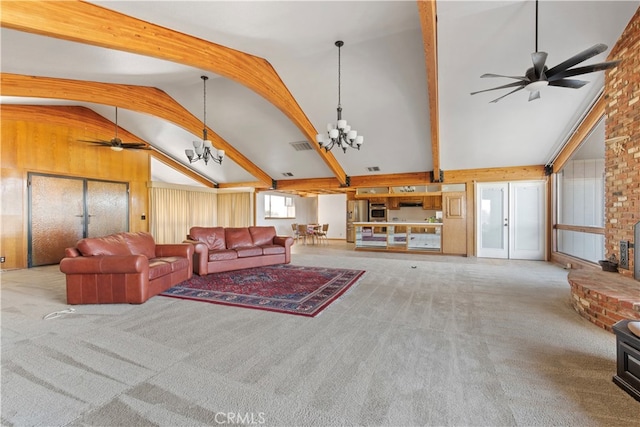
[(204, 116), (339, 77)]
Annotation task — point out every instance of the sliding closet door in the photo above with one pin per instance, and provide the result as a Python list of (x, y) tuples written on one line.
[(56, 217), (107, 208)]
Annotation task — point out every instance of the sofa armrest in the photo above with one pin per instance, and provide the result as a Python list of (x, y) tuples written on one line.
[(105, 264), (200, 257), (174, 249), (285, 241)]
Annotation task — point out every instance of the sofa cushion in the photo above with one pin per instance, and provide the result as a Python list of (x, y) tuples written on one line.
[(141, 243), (223, 255), (238, 237), (262, 235), (272, 249), (175, 262), (248, 251), (213, 237), (114, 244), (158, 268)]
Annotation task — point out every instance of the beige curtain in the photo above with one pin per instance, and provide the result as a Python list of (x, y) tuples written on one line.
[(174, 210), (235, 210)]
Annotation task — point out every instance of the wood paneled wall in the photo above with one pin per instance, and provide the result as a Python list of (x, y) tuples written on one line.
[(44, 139)]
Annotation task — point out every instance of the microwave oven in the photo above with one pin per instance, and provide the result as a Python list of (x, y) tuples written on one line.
[(377, 212)]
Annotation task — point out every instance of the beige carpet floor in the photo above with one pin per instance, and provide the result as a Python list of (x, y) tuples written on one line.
[(420, 340)]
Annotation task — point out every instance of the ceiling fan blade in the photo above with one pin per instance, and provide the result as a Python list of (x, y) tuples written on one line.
[(601, 66), (105, 143), (523, 78), (134, 145), (539, 59), (514, 84), (534, 95), (570, 83), (95, 141), (578, 58), (498, 99)]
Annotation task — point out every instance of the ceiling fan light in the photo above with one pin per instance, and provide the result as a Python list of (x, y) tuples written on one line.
[(116, 148), (536, 86)]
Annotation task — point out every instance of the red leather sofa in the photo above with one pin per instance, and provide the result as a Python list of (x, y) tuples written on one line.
[(220, 249), (123, 268)]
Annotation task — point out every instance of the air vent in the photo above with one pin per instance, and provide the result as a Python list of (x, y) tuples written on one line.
[(287, 174), (301, 146), (373, 169)]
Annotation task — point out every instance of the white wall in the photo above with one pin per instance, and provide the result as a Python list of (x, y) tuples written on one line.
[(306, 212), (332, 210)]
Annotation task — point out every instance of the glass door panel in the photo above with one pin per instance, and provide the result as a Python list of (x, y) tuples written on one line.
[(492, 215), (107, 208), (56, 214)]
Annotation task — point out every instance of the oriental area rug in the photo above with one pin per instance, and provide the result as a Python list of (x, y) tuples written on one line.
[(283, 288)]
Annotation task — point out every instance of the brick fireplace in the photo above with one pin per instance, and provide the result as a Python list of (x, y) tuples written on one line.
[(622, 149), (604, 298)]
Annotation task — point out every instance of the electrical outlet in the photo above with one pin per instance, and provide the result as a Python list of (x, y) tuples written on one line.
[(2, 259)]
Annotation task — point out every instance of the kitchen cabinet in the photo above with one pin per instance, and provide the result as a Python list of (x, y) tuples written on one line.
[(432, 203)]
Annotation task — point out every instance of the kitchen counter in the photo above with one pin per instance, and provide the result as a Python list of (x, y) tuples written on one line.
[(399, 236)]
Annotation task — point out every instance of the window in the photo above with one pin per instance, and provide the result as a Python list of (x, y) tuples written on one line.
[(278, 207)]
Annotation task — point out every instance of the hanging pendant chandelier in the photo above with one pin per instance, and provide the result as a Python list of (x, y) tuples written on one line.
[(204, 149), (339, 134)]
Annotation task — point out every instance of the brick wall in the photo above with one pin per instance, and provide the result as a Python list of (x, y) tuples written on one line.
[(622, 151)]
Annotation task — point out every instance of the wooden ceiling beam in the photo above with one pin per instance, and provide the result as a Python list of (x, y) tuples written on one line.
[(143, 99), (577, 138), (429, 22), (95, 25)]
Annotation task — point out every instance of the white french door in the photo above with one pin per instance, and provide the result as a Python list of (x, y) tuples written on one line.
[(510, 220)]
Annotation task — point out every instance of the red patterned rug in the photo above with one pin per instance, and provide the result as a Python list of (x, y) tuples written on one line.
[(284, 288)]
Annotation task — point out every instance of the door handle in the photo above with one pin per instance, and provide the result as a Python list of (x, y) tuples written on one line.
[(506, 222)]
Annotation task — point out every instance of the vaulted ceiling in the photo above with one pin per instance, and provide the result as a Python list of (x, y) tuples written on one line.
[(408, 68)]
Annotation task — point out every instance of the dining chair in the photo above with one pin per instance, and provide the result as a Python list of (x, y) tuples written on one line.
[(321, 233), (303, 232), (296, 234)]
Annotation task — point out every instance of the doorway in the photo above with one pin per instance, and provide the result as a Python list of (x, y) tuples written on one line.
[(63, 210), (510, 220)]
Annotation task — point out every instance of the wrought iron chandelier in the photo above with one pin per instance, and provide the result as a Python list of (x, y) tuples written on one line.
[(204, 149), (339, 134)]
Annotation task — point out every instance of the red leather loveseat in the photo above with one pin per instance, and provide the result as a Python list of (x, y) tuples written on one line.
[(123, 268), (220, 249)]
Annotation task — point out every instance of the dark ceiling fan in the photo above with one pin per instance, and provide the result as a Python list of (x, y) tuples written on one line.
[(540, 76), (116, 143)]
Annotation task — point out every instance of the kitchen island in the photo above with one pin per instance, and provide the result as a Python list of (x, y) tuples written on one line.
[(399, 236)]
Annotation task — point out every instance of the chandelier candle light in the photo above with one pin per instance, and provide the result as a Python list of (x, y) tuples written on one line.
[(204, 149), (340, 134)]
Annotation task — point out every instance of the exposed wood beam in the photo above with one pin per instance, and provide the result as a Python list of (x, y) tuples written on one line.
[(583, 130), (428, 22), (85, 118), (495, 174), (144, 99), (92, 24), (416, 178)]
